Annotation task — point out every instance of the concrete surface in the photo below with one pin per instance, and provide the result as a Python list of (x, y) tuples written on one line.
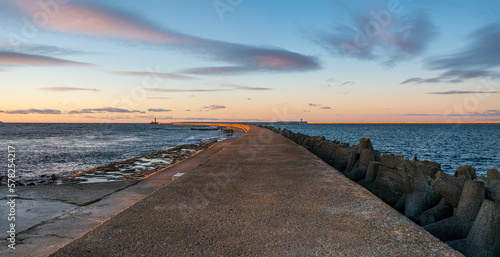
[(262, 195), (51, 216)]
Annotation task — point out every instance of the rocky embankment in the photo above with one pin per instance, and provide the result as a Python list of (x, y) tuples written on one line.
[(463, 210)]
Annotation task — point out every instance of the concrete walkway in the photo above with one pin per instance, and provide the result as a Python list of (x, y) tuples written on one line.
[(261, 195)]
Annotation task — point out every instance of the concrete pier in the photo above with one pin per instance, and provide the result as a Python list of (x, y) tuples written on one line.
[(261, 195)]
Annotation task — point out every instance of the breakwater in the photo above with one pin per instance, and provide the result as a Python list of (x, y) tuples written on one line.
[(463, 210), (261, 195)]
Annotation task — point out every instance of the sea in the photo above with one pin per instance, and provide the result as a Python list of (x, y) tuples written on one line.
[(452, 145), (66, 149)]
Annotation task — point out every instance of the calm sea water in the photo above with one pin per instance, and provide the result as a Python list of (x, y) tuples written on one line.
[(451, 145), (68, 148)]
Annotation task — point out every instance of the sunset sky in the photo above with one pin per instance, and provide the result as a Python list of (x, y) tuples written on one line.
[(242, 60)]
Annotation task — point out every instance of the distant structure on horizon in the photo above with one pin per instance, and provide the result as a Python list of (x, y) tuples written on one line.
[(154, 121)]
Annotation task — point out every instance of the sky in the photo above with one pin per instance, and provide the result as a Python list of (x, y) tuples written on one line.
[(241, 60)]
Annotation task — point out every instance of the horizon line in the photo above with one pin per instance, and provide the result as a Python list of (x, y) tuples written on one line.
[(311, 122)]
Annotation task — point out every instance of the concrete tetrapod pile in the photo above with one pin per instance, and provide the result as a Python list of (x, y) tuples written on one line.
[(463, 210)]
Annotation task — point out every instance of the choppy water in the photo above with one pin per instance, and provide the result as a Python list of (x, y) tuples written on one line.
[(451, 145), (68, 148)]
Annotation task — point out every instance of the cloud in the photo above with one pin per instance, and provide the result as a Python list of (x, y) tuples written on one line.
[(238, 87), (320, 106), (104, 110), (422, 81), (67, 89), (100, 21), (187, 110), (337, 83), (185, 90), (347, 83), (459, 92), (379, 35), (39, 49), (307, 111), (149, 117), (96, 20), (482, 52), (34, 111), (12, 58), (154, 75), (254, 59), (487, 113), (475, 61), (158, 110), (454, 77), (214, 107)]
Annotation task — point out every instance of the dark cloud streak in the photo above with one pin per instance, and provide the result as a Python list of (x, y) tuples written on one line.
[(13, 58), (34, 111), (475, 61), (104, 110), (67, 89)]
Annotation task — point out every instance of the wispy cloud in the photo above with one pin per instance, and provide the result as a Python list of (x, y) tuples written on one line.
[(149, 117), (422, 81), (100, 21), (49, 50), (185, 90), (154, 75), (104, 110), (347, 83), (239, 87), (395, 37), (13, 58), (158, 110), (255, 59), (476, 60), (482, 52), (460, 92), (334, 83), (67, 89), (487, 113), (320, 106), (214, 107), (33, 111)]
